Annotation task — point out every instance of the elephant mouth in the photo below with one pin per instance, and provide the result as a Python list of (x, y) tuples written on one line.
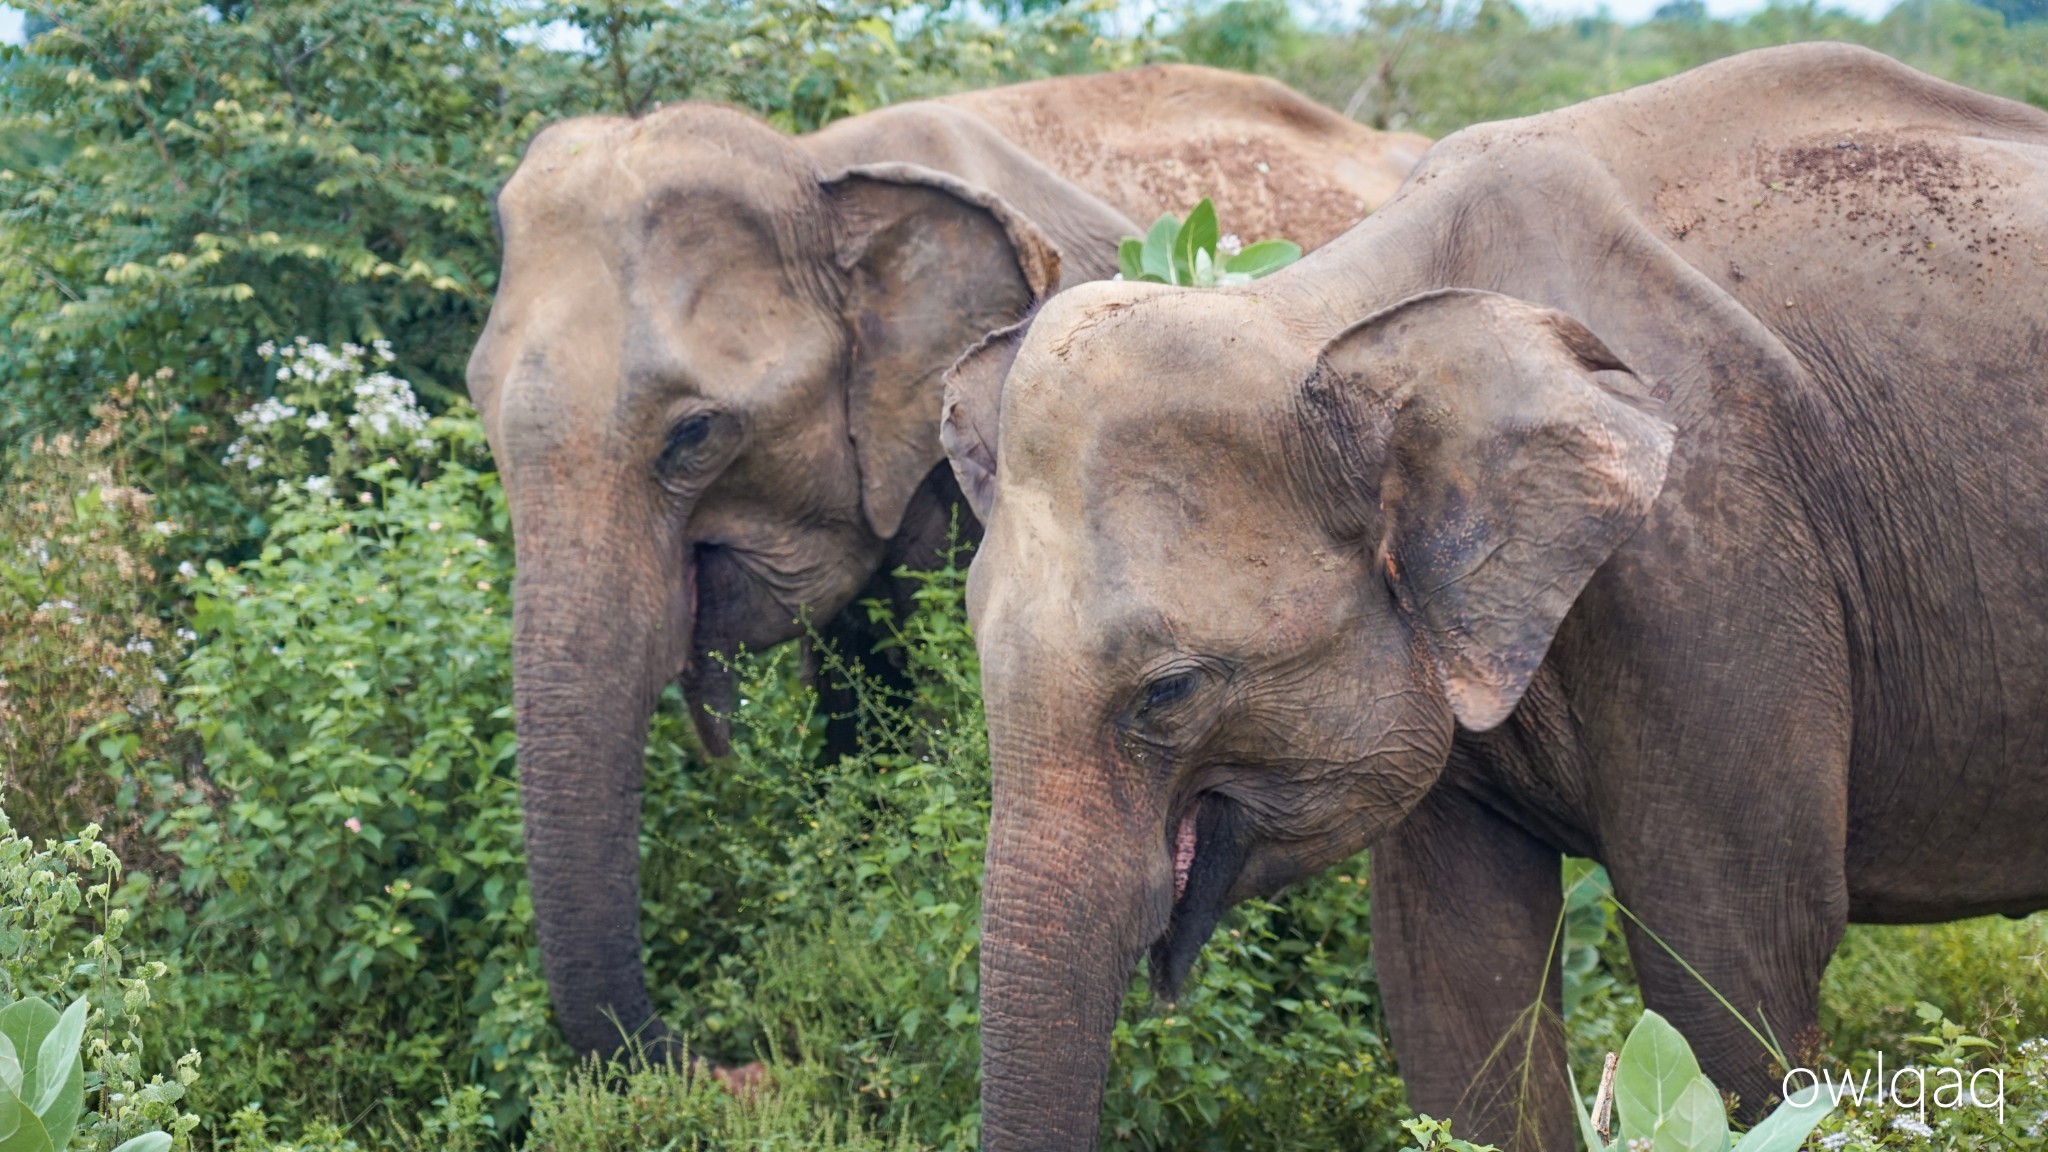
[(739, 600), (1210, 842)]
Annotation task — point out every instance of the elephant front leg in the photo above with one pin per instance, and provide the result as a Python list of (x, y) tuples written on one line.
[(1464, 906)]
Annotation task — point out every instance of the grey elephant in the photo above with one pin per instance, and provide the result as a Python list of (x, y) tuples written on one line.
[(711, 379), (1660, 480)]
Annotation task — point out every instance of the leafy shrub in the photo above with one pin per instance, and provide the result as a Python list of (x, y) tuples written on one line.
[(84, 655), (1195, 253), (1663, 1100), (356, 825), (64, 922)]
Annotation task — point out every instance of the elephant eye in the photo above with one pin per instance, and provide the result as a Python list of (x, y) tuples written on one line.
[(684, 441), (1168, 690)]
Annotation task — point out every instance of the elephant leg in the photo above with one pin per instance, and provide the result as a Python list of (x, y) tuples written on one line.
[(1464, 906), (1728, 845), (1756, 926)]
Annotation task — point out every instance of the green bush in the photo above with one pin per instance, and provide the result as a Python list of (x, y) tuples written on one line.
[(355, 828), (85, 658), (65, 919)]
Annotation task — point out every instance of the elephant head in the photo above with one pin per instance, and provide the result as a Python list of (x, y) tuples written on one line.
[(711, 380), (1236, 591)]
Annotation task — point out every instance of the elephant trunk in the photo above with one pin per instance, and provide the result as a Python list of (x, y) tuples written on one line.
[(602, 617), (1071, 896)]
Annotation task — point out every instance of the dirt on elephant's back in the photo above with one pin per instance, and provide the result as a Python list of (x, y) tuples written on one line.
[(1159, 139)]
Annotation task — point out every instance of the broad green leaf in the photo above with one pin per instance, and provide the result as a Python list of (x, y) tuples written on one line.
[(11, 1112), (10, 1066), (1158, 250), (1197, 235), (54, 1059), (1264, 258), (25, 1023), (1657, 1066), (1130, 257), (29, 1134), (1788, 1125), (1696, 1122), (148, 1142)]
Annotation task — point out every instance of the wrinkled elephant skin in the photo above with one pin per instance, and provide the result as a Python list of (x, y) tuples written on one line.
[(1659, 480)]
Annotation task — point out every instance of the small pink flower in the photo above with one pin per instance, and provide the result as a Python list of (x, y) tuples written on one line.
[(353, 824)]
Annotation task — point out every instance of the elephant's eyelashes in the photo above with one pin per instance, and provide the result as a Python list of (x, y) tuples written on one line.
[(1167, 691), (684, 439), (691, 446)]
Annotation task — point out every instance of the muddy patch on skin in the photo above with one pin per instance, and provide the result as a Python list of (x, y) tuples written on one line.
[(1910, 195)]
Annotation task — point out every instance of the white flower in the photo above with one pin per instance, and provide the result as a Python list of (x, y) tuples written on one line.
[(386, 404), (319, 486), (1912, 1125), (140, 644), (186, 569), (188, 636), (267, 349), (255, 462), (1834, 1140), (317, 421), (163, 527), (266, 412), (1229, 245)]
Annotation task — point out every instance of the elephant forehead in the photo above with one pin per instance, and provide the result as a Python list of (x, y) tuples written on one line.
[(688, 164), (1108, 365)]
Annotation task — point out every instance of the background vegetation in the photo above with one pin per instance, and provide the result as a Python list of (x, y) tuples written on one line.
[(253, 577)]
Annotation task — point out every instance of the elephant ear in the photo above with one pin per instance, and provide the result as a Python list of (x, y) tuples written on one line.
[(932, 264), (1509, 471), (974, 402)]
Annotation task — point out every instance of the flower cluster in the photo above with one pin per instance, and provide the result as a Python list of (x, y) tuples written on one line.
[(334, 410)]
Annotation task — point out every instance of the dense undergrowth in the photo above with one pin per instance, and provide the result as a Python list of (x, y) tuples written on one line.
[(254, 618)]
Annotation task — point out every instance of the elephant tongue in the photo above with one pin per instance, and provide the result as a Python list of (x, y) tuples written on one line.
[(1184, 852)]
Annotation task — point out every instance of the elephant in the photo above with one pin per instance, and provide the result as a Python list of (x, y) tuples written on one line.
[(711, 381), (1658, 480)]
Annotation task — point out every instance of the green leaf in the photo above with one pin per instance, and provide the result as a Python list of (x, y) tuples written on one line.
[(1197, 235), (29, 1133), (1788, 1126), (59, 1052), (1657, 1066), (10, 1067), (1130, 257), (1695, 1122), (148, 1142), (1264, 258), (1157, 258)]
